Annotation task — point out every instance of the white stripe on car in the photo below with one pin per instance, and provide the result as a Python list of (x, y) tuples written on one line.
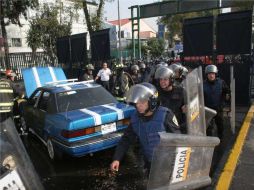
[(36, 77), (96, 116), (120, 113)]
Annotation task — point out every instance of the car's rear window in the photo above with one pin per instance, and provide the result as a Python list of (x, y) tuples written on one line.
[(83, 98)]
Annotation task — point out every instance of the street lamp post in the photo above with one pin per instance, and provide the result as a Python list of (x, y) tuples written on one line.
[(119, 33)]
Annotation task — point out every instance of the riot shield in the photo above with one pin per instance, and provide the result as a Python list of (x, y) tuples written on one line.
[(181, 162), (16, 169), (193, 85), (184, 161), (232, 88)]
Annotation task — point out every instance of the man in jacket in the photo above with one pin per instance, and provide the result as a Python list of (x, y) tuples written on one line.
[(146, 123), (88, 75), (6, 96), (171, 96), (216, 92)]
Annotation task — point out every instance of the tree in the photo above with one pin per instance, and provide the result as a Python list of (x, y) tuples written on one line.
[(94, 20), (33, 37), (144, 48), (156, 46), (10, 12), (46, 28)]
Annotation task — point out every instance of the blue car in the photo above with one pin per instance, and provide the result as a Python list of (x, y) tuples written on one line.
[(75, 118)]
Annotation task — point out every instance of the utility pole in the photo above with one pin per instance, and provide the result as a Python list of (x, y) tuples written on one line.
[(119, 33)]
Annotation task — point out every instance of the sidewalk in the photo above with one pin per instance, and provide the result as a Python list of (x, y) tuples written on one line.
[(238, 170), (244, 174)]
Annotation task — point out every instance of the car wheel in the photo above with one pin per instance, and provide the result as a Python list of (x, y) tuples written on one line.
[(52, 152), (23, 126)]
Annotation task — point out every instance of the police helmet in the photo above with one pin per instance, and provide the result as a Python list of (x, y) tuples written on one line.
[(184, 71), (175, 67), (163, 64), (143, 92), (211, 69), (142, 66), (163, 73), (90, 67), (135, 67), (158, 65), (119, 65)]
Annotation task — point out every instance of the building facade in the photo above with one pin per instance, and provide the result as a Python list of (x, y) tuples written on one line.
[(17, 35), (146, 31)]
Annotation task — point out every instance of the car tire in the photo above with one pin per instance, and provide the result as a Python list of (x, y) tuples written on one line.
[(23, 126), (52, 152)]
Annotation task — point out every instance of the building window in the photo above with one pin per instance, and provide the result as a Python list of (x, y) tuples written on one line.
[(122, 34), (16, 42)]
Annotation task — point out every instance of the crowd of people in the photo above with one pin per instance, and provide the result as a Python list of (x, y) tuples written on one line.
[(156, 90)]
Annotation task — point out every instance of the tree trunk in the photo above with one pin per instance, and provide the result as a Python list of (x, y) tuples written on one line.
[(99, 13), (88, 21), (4, 35)]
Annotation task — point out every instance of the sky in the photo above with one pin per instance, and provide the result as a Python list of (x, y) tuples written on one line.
[(110, 10)]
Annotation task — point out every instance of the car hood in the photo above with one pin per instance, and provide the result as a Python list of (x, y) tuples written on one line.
[(35, 77), (94, 116)]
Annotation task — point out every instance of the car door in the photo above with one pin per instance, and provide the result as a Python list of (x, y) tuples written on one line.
[(29, 112), (40, 112)]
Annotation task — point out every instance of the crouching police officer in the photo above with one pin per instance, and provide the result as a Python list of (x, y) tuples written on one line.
[(6, 98), (146, 123), (216, 92)]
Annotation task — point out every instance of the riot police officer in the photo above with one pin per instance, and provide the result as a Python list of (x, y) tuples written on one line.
[(121, 82), (144, 75), (171, 96), (6, 97), (88, 75), (180, 73), (148, 120), (135, 74), (216, 92)]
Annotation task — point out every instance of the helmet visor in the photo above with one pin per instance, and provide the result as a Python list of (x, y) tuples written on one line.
[(163, 73), (138, 93)]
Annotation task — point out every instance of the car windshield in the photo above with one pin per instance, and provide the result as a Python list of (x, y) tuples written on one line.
[(83, 98)]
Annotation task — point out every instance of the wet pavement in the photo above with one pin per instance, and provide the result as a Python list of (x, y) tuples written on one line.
[(88, 172)]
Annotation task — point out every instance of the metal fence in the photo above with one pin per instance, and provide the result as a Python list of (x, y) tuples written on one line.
[(19, 61)]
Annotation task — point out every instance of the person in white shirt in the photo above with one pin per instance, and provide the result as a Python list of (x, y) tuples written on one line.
[(104, 75)]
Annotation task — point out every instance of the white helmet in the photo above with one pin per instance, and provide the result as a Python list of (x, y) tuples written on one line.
[(211, 69)]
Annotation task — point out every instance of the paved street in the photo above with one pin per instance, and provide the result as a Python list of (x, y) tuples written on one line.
[(88, 172)]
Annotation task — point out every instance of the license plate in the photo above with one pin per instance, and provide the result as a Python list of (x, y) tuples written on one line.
[(11, 181), (108, 128)]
